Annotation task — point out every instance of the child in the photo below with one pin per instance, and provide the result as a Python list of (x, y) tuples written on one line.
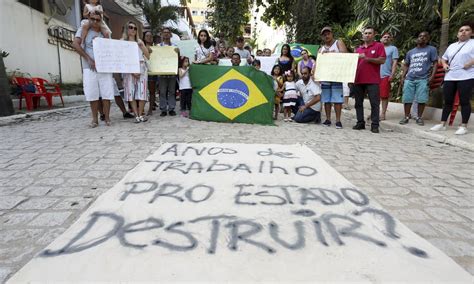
[(257, 64), (89, 7), (291, 95), (278, 85), (185, 86)]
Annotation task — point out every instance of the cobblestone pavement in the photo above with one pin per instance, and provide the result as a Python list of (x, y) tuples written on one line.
[(52, 169)]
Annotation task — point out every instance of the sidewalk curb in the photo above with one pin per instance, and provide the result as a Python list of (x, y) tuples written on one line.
[(421, 133), (17, 118)]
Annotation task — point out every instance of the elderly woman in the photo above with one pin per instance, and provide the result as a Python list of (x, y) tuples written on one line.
[(458, 62), (135, 85)]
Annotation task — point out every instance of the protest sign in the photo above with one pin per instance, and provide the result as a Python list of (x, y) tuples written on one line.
[(224, 213), (336, 67), (187, 48), (116, 56), (163, 60), (267, 63)]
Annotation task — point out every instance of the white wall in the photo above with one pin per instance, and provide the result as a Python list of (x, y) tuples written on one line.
[(23, 33)]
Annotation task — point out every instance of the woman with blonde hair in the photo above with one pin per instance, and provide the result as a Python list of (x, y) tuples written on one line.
[(135, 85)]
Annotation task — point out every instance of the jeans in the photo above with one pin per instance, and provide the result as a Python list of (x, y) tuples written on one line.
[(449, 90), (308, 115), (185, 101), (167, 86), (296, 107), (373, 92)]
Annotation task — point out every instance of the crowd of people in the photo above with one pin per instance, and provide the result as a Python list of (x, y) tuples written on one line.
[(296, 93)]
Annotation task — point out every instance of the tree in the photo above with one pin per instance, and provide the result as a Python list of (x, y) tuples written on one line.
[(303, 19), (6, 105), (228, 17), (157, 15)]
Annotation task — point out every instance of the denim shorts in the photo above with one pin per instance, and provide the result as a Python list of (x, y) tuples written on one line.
[(415, 90), (332, 92)]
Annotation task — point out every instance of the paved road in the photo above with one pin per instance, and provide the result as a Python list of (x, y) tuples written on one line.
[(52, 169)]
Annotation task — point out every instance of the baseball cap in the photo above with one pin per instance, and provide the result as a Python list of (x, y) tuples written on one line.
[(326, 29)]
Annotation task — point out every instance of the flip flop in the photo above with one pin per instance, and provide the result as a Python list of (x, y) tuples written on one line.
[(93, 124)]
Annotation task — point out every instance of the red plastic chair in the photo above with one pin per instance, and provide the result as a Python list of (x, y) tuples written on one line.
[(51, 90), (32, 99)]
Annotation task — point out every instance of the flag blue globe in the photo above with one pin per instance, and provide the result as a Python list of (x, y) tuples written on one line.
[(233, 94)]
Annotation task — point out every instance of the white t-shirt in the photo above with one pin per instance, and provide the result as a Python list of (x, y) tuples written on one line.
[(456, 66), (185, 81), (309, 91), (202, 53)]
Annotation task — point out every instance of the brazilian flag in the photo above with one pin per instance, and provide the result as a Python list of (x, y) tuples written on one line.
[(297, 48), (231, 94)]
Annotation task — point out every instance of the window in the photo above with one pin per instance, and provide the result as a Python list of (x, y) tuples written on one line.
[(35, 4)]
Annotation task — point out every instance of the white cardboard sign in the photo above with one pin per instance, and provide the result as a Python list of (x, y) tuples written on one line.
[(116, 56), (238, 213)]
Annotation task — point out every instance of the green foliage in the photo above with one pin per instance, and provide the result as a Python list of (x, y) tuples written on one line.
[(228, 17), (157, 15)]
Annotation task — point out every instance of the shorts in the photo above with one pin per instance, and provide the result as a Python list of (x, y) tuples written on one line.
[(385, 87), (346, 91), (332, 92), (98, 85), (415, 90)]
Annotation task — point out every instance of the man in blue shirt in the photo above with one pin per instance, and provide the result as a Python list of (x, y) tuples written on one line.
[(387, 71), (416, 76)]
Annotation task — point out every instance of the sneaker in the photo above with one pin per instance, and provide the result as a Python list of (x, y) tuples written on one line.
[(404, 120), (163, 113), (338, 125), (290, 120), (143, 119), (461, 130), (420, 121), (438, 127), (127, 115), (172, 113), (184, 113), (374, 129), (327, 123), (137, 119), (359, 126), (285, 120)]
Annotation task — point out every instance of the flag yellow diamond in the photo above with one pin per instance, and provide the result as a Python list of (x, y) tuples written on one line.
[(233, 94)]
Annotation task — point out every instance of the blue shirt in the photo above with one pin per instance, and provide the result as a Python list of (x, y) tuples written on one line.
[(419, 61), (386, 68)]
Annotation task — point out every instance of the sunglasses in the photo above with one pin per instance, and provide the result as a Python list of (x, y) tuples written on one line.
[(95, 20), (132, 28)]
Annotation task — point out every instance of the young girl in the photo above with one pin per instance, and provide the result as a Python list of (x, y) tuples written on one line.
[(278, 85), (185, 86), (89, 7), (291, 95)]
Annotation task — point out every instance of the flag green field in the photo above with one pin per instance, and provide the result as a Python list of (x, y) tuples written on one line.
[(296, 49), (231, 94)]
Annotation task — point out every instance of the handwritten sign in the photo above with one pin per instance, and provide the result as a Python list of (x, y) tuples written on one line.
[(234, 212), (163, 60), (336, 67), (187, 48), (228, 62), (116, 56), (267, 63)]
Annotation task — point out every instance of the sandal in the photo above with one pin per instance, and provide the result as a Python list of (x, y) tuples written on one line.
[(93, 124), (108, 123)]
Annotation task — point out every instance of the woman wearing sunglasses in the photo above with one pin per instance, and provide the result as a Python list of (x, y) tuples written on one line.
[(135, 85)]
